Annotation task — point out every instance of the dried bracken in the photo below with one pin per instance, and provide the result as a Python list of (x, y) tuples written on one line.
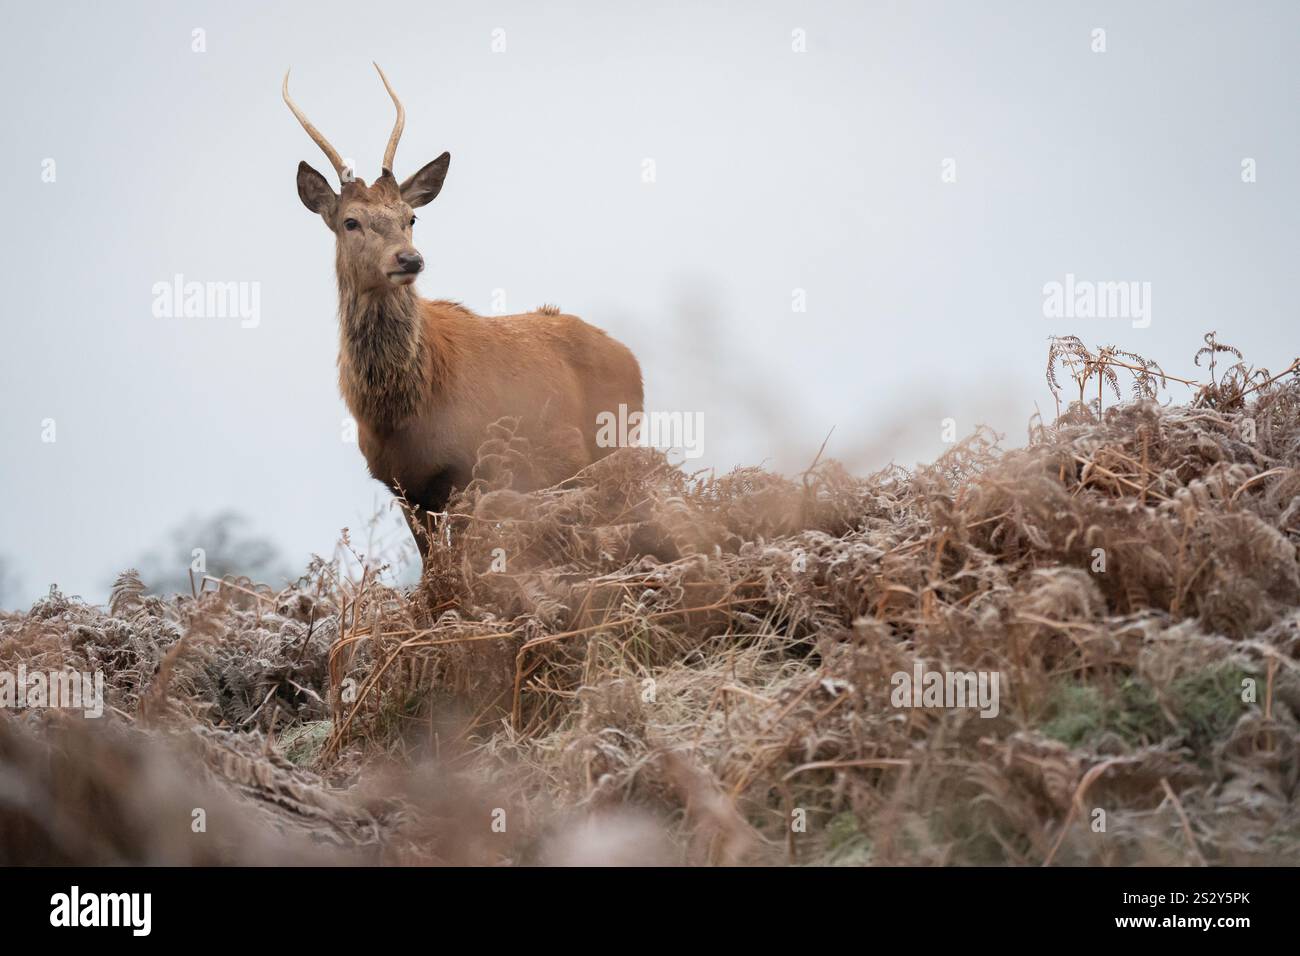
[(640, 665)]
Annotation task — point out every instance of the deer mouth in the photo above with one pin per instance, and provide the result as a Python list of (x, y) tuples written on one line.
[(402, 278)]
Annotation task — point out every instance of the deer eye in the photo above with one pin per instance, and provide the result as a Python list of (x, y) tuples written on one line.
[(351, 224), (412, 222)]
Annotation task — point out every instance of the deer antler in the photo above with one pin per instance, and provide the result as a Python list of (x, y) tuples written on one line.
[(330, 152), (391, 152)]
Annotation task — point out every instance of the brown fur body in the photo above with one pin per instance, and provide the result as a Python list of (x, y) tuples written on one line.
[(424, 380)]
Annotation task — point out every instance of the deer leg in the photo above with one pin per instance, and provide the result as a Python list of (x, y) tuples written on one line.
[(431, 497), (420, 531)]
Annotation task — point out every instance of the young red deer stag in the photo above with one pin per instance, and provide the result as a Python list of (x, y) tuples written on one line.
[(424, 379)]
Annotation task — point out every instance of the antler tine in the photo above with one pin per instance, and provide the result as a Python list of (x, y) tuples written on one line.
[(330, 152), (391, 152)]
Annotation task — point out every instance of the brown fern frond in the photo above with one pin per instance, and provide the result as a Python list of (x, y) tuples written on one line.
[(127, 595)]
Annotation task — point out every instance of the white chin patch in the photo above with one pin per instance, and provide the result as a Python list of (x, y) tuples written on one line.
[(402, 278)]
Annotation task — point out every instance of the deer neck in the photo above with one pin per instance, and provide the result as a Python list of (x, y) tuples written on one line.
[(382, 368)]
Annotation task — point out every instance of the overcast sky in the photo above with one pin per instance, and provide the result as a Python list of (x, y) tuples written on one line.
[(919, 170)]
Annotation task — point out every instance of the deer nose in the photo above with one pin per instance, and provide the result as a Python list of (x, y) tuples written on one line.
[(410, 261)]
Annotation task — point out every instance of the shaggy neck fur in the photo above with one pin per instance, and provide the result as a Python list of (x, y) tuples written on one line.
[(382, 368)]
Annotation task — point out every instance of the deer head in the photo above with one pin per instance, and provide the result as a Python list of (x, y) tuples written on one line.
[(372, 225)]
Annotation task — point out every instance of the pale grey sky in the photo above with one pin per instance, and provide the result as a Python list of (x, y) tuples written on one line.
[(775, 170)]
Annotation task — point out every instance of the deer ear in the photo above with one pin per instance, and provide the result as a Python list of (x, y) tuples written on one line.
[(424, 186), (315, 192)]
